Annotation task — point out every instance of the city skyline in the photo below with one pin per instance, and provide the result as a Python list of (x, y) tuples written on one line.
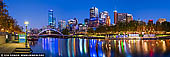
[(65, 10)]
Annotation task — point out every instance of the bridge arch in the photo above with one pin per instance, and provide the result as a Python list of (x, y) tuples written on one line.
[(50, 30)]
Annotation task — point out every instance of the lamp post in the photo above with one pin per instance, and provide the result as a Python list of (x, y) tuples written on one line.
[(26, 24)]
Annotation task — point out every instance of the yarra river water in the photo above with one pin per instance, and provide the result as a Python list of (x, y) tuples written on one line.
[(75, 47)]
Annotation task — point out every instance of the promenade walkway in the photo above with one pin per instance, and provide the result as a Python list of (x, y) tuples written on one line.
[(10, 47)]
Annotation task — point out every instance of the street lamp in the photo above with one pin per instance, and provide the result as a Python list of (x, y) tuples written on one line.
[(26, 24)]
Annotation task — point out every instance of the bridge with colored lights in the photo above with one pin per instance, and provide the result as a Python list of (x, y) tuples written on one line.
[(56, 34), (47, 33)]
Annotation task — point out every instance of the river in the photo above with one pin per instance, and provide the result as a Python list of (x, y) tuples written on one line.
[(76, 47)]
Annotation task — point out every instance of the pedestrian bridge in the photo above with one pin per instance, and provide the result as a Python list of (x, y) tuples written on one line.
[(50, 32)]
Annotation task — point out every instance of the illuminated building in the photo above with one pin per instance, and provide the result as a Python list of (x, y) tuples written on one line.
[(61, 25), (122, 17), (86, 24), (86, 21), (129, 18), (94, 12), (142, 26), (82, 27), (115, 17), (94, 21), (160, 20), (72, 24), (150, 23), (51, 19), (108, 21), (103, 17)]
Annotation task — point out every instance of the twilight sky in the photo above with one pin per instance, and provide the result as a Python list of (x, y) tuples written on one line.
[(36, 11)]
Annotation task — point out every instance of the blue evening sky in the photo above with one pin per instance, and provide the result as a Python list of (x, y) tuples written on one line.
[(36, 11)]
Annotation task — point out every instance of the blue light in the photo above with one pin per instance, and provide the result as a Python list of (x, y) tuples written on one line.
[(92, 47), (81, 48), (93, 19), (100, 52), (68, 47), (85, 50)]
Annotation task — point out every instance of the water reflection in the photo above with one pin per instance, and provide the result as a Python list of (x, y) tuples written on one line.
[(74, 47)]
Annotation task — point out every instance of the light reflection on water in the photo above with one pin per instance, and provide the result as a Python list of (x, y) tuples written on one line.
[(74, 47)]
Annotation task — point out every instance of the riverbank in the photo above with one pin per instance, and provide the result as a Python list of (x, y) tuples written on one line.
[(10, 47)]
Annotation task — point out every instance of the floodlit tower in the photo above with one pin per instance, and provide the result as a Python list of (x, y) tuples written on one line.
[(115, 17)]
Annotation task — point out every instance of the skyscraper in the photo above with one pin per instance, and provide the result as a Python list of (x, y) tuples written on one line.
[(101, 18), (115, 17), (104, 18), (51, 19), (94, 21), (61, 25), (94, 12)]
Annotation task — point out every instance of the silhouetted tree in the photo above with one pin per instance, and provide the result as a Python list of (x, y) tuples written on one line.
[(65, 31)]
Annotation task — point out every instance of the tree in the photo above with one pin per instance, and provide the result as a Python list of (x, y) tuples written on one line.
[(90, 30), (166, 26), (101, 29), (65, 31), (7, 22)]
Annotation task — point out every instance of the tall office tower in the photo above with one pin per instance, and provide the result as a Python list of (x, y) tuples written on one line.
[(103, 17), (61, 25), (54, 22), (94, 12), (108, 21), (51, 19), (115, 17), (94, 21)]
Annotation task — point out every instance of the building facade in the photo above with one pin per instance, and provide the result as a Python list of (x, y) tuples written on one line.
[(115, 17), (108, 21), (160, 20), (61, 25), (129, 18), (51, 19), (94, 21), (82, 27), (72, 23), (122, 17), (104, 18)]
